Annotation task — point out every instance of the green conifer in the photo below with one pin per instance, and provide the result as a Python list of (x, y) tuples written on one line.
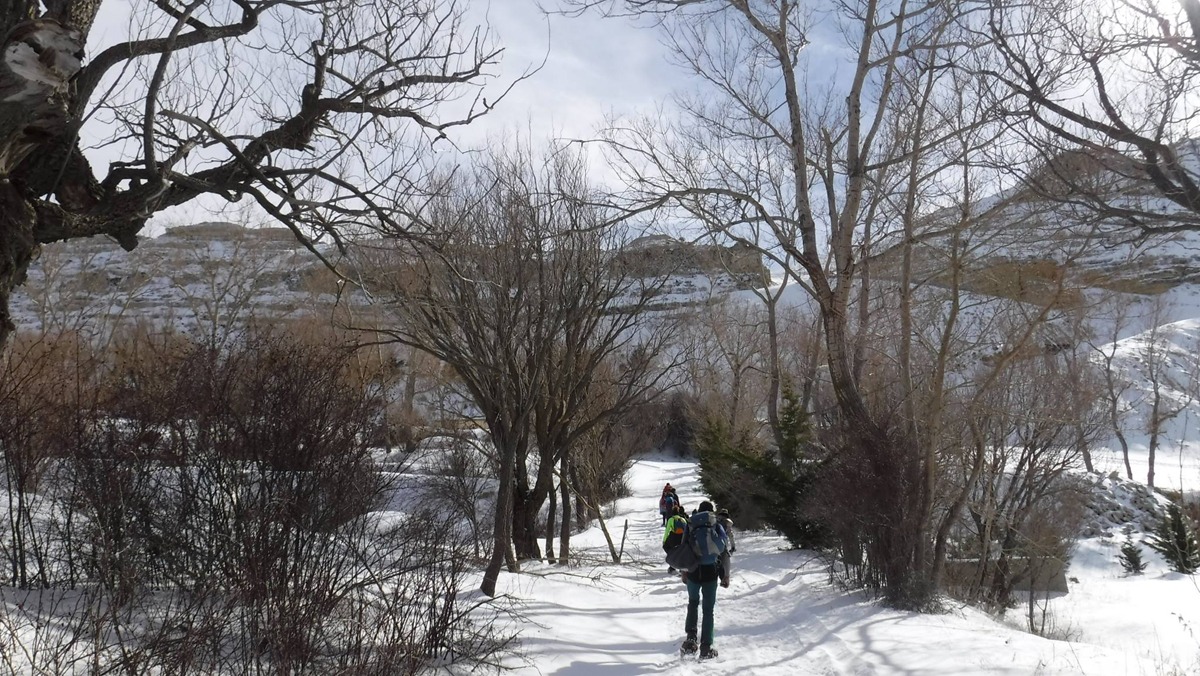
[(1131, 558), (1176, 541)]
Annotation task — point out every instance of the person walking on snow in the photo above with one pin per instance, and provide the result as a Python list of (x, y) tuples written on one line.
[(727, 524), (706, 536), (726, 559), (666, 504), (673, 534)]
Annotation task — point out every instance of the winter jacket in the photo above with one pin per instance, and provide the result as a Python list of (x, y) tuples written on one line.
[(727, 524), (676, 524)]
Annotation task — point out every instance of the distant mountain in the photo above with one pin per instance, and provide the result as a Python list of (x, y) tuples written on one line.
[(208, 272), (219, 274), (1027, 242)]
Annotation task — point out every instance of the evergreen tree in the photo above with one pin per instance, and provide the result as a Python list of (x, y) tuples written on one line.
[(724, 470), (1176, 541), (1131, 557), (760, 487)]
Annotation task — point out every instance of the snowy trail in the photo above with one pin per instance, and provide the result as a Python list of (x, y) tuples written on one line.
[(780, 615)]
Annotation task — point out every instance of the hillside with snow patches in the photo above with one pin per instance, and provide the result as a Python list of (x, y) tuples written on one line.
[(196, 276)]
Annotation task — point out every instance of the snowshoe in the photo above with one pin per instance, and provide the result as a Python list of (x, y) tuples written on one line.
[(708, 653), (689, 647)]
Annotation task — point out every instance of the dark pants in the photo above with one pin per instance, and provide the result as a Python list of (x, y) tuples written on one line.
[(709, 591)]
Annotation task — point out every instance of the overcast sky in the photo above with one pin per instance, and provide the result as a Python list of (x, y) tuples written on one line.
[(590, 67)]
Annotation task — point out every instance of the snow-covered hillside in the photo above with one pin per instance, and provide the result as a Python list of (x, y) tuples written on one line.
[(221, 273), (1164, 357), (781, 615)]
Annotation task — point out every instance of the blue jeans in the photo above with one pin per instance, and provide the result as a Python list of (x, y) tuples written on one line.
[(709, 592)]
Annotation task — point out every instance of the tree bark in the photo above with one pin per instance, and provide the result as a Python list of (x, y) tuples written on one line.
[(17, 248), (502, 522), (526, 507), (773, 377), (524, 526), (39, 59), (564, 534), (551, 513)]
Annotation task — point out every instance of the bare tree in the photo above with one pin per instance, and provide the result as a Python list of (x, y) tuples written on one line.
[(1118, 387), (219, 282), (303, 108), (728, 360), (518, 289), (813, 172), (611, 356), (1106, 95), (1168, 395), (44, 379), (1019, 506), (74, 291)]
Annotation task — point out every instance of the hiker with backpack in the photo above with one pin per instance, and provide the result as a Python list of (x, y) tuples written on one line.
[(727, 524), (667, 503), (706, 540), (674, 532)]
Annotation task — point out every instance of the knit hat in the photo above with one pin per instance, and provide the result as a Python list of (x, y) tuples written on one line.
[(705, 506)]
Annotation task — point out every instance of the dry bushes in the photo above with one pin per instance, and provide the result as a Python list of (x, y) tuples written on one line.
[(218, 511)]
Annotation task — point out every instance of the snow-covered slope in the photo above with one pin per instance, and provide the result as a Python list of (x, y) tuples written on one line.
[(782, 616), (221, 272), (1165, 358)]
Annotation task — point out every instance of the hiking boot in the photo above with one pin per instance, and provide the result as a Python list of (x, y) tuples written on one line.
[(707, 652), (689, 646)]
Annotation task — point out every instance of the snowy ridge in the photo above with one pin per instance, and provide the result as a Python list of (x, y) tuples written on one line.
[(221, 272), (1059, 225)]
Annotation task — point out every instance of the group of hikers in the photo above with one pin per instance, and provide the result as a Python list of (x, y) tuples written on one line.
[(699, 545)]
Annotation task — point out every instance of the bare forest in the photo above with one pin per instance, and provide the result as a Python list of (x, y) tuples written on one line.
[(864, 286)]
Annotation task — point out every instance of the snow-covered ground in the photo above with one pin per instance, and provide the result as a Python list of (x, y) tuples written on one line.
[(781, 615)]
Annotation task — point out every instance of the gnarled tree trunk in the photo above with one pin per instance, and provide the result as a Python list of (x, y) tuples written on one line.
[(40, 57)]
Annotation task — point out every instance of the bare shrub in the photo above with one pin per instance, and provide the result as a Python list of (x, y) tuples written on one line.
[(227, 520), (456, 486), (1024, 510), (42, 379)]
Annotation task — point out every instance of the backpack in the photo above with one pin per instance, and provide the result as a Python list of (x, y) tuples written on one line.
[(707, 540), (678, 526), (682, 557), (670, 500)]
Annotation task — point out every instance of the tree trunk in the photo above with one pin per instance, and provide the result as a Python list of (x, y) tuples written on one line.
[(524, 525), (1155, 427), (17, 248), (773, 377), (1081, 442), (845, 387), (527, 506), (612, 548), (32, 109), (551, 510), (502, 523), (564, 534), (1151, 451), (1115, 418)]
